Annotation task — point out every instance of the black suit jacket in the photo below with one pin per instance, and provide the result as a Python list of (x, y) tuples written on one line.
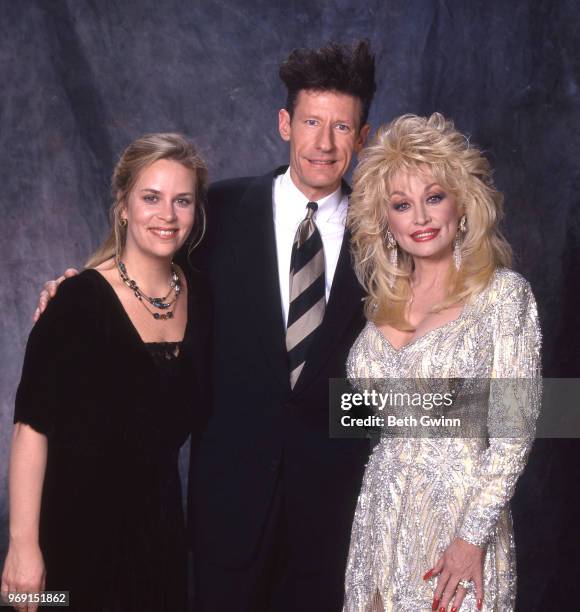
[(262, 434)]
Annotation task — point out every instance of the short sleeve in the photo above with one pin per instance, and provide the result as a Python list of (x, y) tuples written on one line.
[(55, 351)]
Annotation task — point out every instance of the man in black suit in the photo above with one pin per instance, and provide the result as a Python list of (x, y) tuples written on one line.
[(272, 496)]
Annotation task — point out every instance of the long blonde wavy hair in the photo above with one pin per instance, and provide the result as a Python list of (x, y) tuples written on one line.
[(412, 144), (137, 156)]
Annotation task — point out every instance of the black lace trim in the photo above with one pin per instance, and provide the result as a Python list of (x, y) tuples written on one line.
[(162, 352)]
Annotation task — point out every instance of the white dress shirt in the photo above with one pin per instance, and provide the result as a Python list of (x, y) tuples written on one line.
[(289, 210)]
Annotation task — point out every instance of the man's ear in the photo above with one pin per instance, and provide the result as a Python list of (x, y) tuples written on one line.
[(284, 124), (361, 138)]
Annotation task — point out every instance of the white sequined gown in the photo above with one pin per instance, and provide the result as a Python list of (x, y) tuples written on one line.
[(418, 494)]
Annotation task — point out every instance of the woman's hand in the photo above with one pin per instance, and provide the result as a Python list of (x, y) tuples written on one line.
[(23, 572), (460, 561)]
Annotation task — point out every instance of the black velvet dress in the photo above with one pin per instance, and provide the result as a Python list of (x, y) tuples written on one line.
[(115, 412)]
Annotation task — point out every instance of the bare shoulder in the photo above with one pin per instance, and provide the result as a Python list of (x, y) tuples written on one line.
[(108, 270), (106, 266)]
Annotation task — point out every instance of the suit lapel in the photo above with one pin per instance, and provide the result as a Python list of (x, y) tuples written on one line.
[(344, 302), (195, 340), (256, 256), (257, 261)]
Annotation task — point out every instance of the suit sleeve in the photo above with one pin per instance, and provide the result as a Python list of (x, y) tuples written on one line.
[(515, 395), (55, 355)]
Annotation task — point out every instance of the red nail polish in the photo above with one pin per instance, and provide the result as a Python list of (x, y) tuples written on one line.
[(435, 604), (479, 604), (454, 609), (441, 609), (428, 575)]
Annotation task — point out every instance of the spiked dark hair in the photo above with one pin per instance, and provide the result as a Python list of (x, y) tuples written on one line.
[(335, 67)]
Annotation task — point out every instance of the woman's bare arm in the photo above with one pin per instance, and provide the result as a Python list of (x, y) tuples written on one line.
[(24, 566)]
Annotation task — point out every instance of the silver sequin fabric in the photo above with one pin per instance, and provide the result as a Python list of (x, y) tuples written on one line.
[(419, 494)]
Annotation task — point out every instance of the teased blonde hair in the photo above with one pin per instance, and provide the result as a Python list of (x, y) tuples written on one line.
[(137, 156), (418, 144)]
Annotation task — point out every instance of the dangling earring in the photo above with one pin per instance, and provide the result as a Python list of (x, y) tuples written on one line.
[(393, 255), (123, 222), (458, 242), (392, 246)]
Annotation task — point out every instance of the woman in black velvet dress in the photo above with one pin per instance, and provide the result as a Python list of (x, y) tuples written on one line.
[(112, 386)]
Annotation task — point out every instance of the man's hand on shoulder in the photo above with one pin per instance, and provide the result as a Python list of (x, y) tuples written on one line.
[(49, 291)]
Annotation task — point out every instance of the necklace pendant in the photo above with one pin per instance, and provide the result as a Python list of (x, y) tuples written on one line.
[(162, 316), (159, 303)]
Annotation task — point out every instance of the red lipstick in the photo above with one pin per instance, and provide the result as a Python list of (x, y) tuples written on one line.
[(424, 235)]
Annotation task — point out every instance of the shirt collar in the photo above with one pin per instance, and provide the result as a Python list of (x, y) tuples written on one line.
[(294, 198)]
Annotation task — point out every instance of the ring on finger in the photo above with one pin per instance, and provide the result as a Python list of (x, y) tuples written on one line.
[(466, 584)]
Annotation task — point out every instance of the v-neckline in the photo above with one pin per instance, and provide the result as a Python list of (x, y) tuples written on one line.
[(134, 331), (414, 341)]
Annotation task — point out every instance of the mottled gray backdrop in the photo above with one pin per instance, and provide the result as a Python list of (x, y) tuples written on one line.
[(81, 78)]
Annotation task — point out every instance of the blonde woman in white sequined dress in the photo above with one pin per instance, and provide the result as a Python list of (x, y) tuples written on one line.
[(432, 529)]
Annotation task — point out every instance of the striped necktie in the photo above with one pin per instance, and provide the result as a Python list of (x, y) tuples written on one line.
[(307, 292)]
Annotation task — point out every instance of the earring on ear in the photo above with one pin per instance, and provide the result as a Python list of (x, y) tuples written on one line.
[(123, 222), (458, 241)]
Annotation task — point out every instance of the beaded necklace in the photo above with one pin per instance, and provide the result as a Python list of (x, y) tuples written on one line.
[(157, 302)]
